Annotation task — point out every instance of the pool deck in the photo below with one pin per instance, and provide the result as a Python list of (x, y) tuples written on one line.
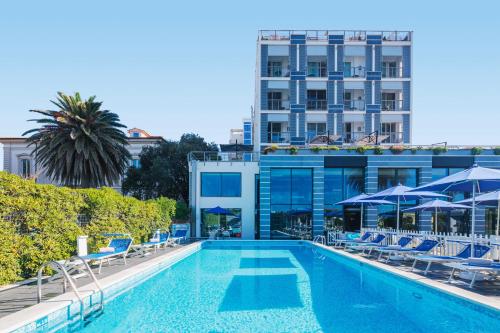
[(484, 292), (23, 296)]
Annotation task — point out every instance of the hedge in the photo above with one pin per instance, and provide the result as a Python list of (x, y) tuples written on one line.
[(39, 222)]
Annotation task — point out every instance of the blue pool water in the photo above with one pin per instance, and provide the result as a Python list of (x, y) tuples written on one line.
[(285, 289)]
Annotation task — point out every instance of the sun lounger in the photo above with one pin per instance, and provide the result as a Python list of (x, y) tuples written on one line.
[(363, 239), (160, 239), (464, 254), (424, 247), (118, 248), (179, 236), (366, 245), (402, 242), (475, 266)]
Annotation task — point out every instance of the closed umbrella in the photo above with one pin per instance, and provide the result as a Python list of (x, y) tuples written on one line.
[(400, 193), (436, 206), (487, 199), (472, 180), (360, 200)]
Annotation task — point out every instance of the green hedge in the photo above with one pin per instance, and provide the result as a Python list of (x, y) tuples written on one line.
[(38, 222)]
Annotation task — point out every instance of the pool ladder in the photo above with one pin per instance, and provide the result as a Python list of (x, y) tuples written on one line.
[(319, 239), (63, 272)]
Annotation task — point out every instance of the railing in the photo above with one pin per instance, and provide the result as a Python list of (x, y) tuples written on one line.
[(316, 69), (278, 104), (354, 105), (322, 35), (278, 137), (392, 137), (392, 105), (277, 71), (352, 137), (358, 71), (319, 104), (449, 243), (392, 72), (217, 156)]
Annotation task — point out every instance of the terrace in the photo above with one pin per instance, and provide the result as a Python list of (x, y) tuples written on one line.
[(322, 35)]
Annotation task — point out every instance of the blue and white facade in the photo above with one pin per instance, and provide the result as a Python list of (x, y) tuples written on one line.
[(349, 85)]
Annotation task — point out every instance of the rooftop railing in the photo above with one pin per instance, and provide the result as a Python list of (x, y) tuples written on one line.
[(217, 156), (322, 35)]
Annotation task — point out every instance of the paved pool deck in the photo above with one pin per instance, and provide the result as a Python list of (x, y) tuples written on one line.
[(23, 296)]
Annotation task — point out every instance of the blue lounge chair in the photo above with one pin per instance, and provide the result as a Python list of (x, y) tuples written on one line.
[(475, 267), (121, 246), (402, 242), (465, 253), (424, 247), (366, 245), (363, 239), (179, 236), (159, 239)]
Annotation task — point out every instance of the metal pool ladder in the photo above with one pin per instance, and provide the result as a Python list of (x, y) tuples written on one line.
[(62, 271), (320, 239)]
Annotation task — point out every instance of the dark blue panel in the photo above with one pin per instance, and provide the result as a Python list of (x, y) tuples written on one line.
[(335, 39), (373, 75), (335, 108), (298, 75), (452, 161), (346, 161), (298, 140), (372, 108), (373, 39), (297, 39), (335, 76), (297, 108)]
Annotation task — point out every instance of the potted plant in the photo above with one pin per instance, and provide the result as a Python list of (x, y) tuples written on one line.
[(476, 150), (378, 150), (396, 149)]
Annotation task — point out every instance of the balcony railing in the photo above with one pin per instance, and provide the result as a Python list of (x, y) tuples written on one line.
[(217, 156), (392, 72), (319, 104), (358, 71), (316, 69), (355, 105), (278, 104), (392, 105), (322, 35), (277, 71), (392, 137), (278, 137), (352, 137)]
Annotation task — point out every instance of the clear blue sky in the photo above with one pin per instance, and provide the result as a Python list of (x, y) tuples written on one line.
[(171, 67)]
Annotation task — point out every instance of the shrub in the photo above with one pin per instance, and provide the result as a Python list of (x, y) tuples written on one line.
[(293, 150), (396, 149), (361, 149), (476, 150), (181, 211), (316, 149), (10, 270), (332, 148), (439, 149), (378, 150)]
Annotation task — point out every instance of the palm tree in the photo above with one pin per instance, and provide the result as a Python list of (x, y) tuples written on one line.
[(80, 145)]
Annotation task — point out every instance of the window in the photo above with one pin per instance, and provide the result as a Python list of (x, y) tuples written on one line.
[(274, 68), (389, 177), (274, 100), (275, 133), (315, 129), (221, 225), (316, 68), (291, 203), (25, 167), (341, 184), (392, 131), (316, 99), (214, 184)]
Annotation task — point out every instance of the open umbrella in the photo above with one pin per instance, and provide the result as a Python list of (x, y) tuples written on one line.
[(473, 180), (360, 200), (436, 206), (219, 211), (400, 193), (487, 199)]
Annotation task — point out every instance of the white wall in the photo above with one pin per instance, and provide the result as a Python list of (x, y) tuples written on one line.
[(246, 202)]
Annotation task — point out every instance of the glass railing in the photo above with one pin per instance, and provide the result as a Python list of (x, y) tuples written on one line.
[(278, 137), (319, 104), (356, 105), (277, 71), (278, 104), (392, 105), (228, 156), (316, 69), (396, 36), (392, 72), (358, 71), (352, 137), (322, 35), (391, 137)]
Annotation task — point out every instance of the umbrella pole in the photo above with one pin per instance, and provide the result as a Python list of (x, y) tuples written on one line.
[(436, 221), (361, 227), (498, 218), (397, 219), (473, 224)]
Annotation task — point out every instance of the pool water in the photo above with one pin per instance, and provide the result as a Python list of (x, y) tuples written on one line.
[(285, 289)]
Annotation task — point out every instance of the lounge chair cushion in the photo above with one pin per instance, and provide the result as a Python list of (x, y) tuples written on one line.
[(480, 262), (108, 249)]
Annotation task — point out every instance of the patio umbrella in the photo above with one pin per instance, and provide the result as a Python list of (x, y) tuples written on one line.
[(400, 193), (219, 211), (435, 206), (360, 200), (488, 199), (475, 179)]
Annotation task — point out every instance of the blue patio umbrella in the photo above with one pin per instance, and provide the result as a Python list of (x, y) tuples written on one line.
[(361, 200), (487, 199), (436, 206), (400, 193), (218, 210), (473, 180)]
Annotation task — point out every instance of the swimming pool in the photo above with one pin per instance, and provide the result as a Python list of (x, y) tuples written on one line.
[(244, 287)]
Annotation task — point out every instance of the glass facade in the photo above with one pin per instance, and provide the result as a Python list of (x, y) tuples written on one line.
[(291, 203), (389, 177), (341, 184), (491, 220), (220, 184), (220, 225), (455, 221)]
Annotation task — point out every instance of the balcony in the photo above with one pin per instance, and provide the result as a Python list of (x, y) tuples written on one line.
[(354, 72), (391, 137), (319, 104), (392, 69), (322, 35), (354, 105), (353, 137), (392, 105), (317, 69), (278, 137), (278, 67), (278, 104)]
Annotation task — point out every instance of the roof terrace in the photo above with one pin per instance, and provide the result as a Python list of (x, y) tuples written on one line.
[(349, 35)]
